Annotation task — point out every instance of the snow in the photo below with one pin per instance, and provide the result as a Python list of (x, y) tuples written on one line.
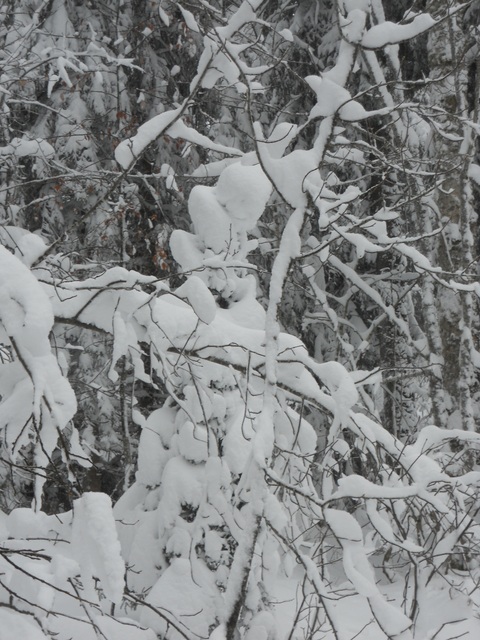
[(152, 454), (32, 385), (333, 99), (192, 443), (355, 486), (244, 14), (353, 25), (278, 141), (287, 34), (26, 246), (385, 33), (166, 123), (359, 571), (128, 151), (237, 444), (339, 382), (26, 523), (189, 18), (184, 597), (219, 633), (243, 191), (181, 485), (474, 173), (262, 627), (210, 220), (432, 436), (186, 249), (14, 626), (21, 148), (107, 628), (296, 174), (383, 527), (244, 310), (197, 294), (96, 546), (24, 303), (163, 16), (421, 263)]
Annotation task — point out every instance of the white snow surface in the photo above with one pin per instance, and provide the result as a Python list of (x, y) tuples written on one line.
[(200, 298), (213, 226), (184, 593), (20, 148), (26, 246), (385, 33), (96, 546), (13, 627), (243, 191)]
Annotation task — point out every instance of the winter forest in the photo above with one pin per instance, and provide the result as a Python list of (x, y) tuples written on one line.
[(239, 320)]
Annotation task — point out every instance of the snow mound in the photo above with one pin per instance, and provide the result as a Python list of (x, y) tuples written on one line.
[(96, 546), (243, 191)]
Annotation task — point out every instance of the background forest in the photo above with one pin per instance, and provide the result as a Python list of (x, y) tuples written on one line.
[(239, 320)]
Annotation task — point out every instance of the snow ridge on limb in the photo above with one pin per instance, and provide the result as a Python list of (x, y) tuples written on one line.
[(167, 123), (380, 35)]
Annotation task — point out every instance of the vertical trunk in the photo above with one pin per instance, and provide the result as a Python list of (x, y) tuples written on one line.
[(457, 311)]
